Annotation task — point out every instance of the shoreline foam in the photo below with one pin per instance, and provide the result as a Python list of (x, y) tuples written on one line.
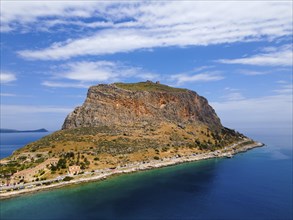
[(104, 174)]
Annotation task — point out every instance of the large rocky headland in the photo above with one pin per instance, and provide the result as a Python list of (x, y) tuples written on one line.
[(121, 124)]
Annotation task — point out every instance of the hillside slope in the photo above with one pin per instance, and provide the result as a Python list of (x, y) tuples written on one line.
[(123, 123)]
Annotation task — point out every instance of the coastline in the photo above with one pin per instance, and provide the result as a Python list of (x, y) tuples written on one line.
[(135, 167)]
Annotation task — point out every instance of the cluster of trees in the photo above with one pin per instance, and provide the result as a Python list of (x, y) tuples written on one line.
[(60, 165), (69, 159), (205, 145)]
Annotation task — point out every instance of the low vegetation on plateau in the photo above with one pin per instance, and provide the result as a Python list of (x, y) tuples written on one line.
[(148, 86)]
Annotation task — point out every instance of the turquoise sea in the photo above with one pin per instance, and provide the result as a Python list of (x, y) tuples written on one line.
[(252, 185)]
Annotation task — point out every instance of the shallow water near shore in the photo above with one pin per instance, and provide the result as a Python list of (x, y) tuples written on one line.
[(252, 185)]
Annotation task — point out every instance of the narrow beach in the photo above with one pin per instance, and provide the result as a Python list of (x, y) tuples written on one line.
[(134, 167)]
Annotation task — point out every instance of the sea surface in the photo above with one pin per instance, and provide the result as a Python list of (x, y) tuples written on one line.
[(10, 142), (252, 185)]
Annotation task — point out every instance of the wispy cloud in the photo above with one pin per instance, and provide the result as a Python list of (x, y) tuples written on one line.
[(285, 89), (15, 16), (263, 112), (16, 95), (82, 74), (253, 72), (231, 89), (281, 82), (282, 56), (17, 109), (90, 71), (129, 26), (64, 84), (7, 95), (6, 77), (233, 96), (199, 77), (32, 116)]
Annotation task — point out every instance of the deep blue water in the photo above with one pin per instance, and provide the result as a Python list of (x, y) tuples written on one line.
[(12, 141), (253, 185)]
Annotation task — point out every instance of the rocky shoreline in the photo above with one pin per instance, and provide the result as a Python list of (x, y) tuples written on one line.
[(135, 167)]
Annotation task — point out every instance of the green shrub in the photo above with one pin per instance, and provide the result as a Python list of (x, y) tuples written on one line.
[(40, 160), (165, 149), (22, 157), (68, 178)]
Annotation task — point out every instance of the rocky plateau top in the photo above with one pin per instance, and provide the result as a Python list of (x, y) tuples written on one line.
[(141, 104)]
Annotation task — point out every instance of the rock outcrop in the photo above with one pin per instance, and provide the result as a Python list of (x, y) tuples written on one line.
[(122, 124), (140, 105)]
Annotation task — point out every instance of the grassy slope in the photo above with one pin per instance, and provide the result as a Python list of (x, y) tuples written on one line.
[(148, 86), (104, 147)]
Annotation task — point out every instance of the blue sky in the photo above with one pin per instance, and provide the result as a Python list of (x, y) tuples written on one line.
[(236, 54)]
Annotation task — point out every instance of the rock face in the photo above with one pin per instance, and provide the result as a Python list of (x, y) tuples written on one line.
[(141, 104), (121, 124)]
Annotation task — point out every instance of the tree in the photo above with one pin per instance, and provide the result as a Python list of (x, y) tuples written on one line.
[(86, 161), (53, 168), (61, 164), (82, 165)]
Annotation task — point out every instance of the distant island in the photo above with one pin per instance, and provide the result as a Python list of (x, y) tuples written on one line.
[(4, 130), (122, 128)]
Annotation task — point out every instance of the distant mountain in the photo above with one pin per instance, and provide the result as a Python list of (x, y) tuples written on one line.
[(4, 130)]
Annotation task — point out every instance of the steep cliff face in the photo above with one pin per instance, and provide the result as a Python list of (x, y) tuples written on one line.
[(140, 105), (123, 123)]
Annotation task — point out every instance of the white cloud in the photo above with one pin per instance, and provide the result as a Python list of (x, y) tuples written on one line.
[(282, 82), (233, 96), (269, 112), (15, 16), (128, 26), (32, 117), (200, 77), (15, 95), (102, 71), (7, 95), (90, 71), (253, 72), (105, 42), (282, 56), (6, 77), (285, 89), (99, 24), (64, 84), (231, 89), (17, 109), (82, 74)]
